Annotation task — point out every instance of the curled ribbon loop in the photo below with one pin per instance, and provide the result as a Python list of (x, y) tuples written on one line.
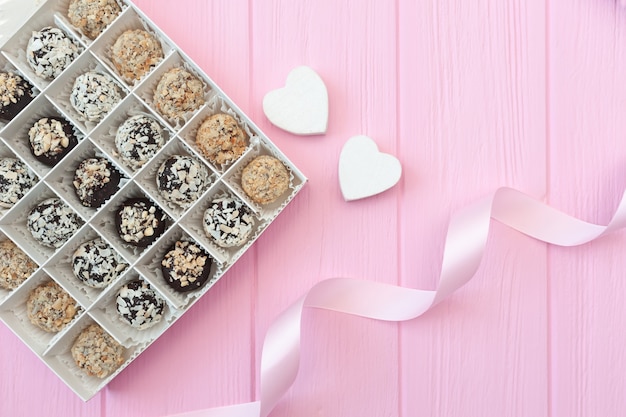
[(464, 247)]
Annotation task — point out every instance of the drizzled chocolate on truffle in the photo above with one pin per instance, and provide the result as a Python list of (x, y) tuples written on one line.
[(139, 222), (15, 94), (52, 222), (186, 266), (97, 264), (139, 305), (50, 51), (95, 180), (138, 139), (15, 181), (181, 179), (228, 221), (51, 139)]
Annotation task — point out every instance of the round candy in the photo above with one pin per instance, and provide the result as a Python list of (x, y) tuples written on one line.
[(139, 222), (93, 95), (50, 307), (138, 139), (50, 51), (265, 179), (228, 222), (15, 265), (51, 139), (92, 16), (15, 94), (96, 263), (15, 181), (139, 305), (96, 352), (135, 53), (181, 179), (95, 180), (52, 222), (177, 93), (220, 139), (186, 266)]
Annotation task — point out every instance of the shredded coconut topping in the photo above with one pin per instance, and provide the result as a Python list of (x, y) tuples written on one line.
[(50, 51), (228, 221), (181, 179), (94, 95)]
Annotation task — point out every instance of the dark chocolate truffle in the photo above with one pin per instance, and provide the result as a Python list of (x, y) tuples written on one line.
[(177, 93), (50, 307), (96, 352), (52, 222), (15, 94), (95, 180), (97, 264), (92, 16), (220, 139), (93, 95), (181, 179), (15, 181), (228, 221), (51, 139), (139, 305), (50, 51), (15, 265), (186, 266), (139, 222), (135, 53), (138, 139)]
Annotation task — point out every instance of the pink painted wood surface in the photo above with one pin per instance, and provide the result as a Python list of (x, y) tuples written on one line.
[(469, 96)]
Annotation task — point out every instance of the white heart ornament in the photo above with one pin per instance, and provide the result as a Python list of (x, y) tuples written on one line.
[(364, 171), (301, 107)]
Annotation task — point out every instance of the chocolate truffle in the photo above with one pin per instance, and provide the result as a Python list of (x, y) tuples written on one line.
[(15, 265), (181, 179), (138, 139), (93, 95), (95, 180), (50, 51), (186, 266), (96, 264), (139, 305), (96, 352), (228, 221), (264, 179), (177, 93), (220, 139), (15, 181), (52, 222), (139, 222), (15, 94), (51, 139), (50, 307), (135, 53), (92, 16)]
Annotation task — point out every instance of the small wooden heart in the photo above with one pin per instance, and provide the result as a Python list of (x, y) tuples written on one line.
[(301, 107), (364, 171)]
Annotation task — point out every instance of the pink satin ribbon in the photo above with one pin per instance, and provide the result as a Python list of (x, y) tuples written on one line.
[(463, 251)]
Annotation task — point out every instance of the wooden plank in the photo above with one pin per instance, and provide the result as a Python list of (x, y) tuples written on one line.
[(587, 126), (349, 365), (471, 118)]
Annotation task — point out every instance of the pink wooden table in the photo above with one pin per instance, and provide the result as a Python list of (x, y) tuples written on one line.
[(471, 96)]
